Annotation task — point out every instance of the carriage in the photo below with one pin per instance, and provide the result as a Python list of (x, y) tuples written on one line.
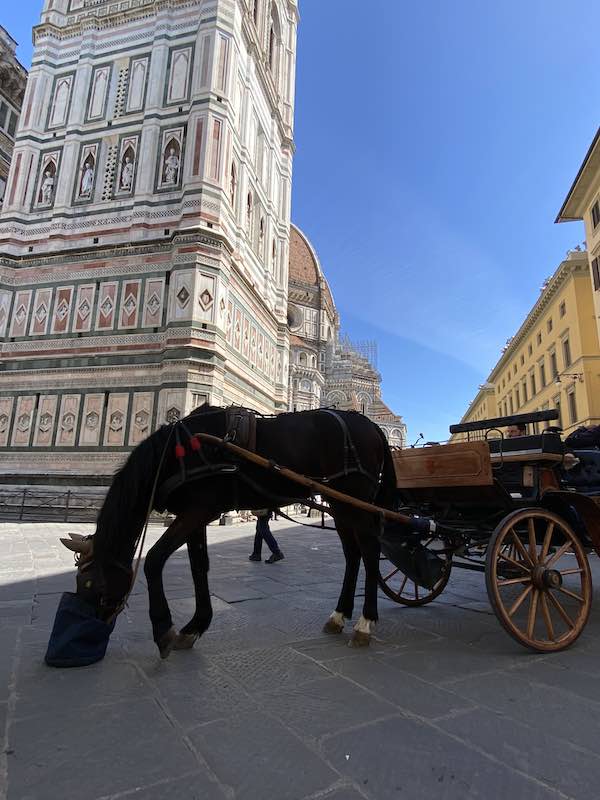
[(511, 509)]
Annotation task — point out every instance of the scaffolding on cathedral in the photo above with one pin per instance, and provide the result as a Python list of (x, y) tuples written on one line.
[(365, 348)]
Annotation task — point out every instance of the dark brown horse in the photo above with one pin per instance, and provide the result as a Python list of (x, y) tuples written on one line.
[(343, 448)]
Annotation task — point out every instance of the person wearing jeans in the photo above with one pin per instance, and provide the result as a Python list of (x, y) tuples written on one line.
[(263, 532)]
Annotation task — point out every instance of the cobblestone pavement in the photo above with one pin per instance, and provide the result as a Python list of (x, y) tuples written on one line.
[(443, 704)]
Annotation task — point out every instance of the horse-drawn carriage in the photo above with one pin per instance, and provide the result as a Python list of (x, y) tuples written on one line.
[(509, 508)]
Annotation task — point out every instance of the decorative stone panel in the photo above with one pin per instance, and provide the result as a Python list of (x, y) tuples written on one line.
[(182, 293), (84, 307), (62, 309), (107, 300), (130, 304), (66, 430), (171, 406), (46, 416), (6, 407), (23, 421), (20, 313), (41, 312), (5, 298), (205, 294), (91, 420), (116, 419), (141, 417), (153, 302)]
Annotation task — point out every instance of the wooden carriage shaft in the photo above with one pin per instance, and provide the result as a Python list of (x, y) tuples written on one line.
[(315, 486)]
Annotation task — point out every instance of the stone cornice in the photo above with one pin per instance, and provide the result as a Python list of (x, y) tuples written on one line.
[(564, 271)]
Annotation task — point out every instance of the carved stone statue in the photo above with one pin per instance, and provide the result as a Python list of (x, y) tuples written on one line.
[(87, 181), (171, 167), (47, 188), (127, 174)]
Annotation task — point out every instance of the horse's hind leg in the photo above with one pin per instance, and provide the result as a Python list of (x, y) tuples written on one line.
[(198, 554), (369, 547), (345, 605), (172, 539)]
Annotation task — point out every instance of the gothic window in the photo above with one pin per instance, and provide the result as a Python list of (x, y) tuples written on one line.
[(177, 89), (274, 256), (274, 43), (303, 359), (98, 92), (232, 185), (60, 102), (249, 209), (137, 84), (313, 362)]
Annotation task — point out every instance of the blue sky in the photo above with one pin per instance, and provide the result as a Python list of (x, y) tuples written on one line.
[(436, 142)]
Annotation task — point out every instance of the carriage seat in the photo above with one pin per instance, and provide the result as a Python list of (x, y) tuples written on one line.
[(585, 476), (523, 447)]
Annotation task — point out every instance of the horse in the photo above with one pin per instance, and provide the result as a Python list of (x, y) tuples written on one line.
[(173, 470)]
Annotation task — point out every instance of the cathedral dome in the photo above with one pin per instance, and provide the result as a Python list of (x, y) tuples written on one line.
[(305, 268)]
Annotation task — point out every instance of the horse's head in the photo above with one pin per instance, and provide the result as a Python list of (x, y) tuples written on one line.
[(101, 583)]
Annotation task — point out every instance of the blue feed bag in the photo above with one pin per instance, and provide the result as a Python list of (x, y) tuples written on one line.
[(78, 637)]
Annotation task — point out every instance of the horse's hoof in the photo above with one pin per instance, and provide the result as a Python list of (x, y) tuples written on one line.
[(185, 641), (167, 642), (331, 626), (360, 639)]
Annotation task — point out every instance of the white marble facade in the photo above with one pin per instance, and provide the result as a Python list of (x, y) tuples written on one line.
[(132, 287)]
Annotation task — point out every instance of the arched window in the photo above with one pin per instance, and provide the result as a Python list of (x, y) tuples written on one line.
[(303, 359), (313, 361), (249, 204), (232, 185), (274, 42)]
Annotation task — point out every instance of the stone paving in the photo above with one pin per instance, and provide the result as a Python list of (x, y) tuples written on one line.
[(266, 707)]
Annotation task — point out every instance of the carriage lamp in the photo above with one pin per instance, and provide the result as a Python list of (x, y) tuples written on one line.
[(576, 376)]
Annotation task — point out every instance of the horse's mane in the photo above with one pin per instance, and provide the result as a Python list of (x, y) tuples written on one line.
[(123, 512)]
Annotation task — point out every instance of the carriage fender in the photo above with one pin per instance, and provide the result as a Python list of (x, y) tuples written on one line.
[(585, 507)]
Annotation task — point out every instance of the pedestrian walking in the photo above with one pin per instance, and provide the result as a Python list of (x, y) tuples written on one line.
[(263, 533)]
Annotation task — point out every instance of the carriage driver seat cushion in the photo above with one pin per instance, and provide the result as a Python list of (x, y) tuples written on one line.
[(585, 476)]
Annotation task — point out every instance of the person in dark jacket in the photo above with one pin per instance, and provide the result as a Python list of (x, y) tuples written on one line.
[(263, 532)]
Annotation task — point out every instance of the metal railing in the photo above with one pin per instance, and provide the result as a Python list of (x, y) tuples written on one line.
[(43, 505)]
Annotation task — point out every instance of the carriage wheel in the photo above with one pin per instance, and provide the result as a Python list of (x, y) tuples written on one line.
[(538, 579), (401, 589)]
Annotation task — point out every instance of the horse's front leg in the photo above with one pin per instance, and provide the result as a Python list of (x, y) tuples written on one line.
[(172, 539), (345, 604), (199, 623), (369, 546)]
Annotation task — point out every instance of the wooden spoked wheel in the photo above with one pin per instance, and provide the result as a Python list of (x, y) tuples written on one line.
[(538, 579), (401, 589)]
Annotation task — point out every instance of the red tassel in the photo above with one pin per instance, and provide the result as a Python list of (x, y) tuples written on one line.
[(179, 451), (195, 443)]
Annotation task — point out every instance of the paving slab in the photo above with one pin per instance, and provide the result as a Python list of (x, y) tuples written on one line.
[(443, 704)]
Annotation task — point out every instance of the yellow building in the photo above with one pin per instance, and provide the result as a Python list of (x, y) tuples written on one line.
[(553, 361), (583, 203), (483, 406)]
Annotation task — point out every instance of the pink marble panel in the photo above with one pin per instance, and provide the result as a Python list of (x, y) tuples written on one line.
[(84, 306), (5, 298), (62, 309), (205, 298), (46, 416), (66, 431), (237, 329), (23, 421), (107, 299), (261, 351), (91, 419), (246, 337), (182, 295), (253, 338), (130, 304), (153, 302), (116, 419), (41, 312), (6, 406), (229, 322), (20, 313), (141, 417)]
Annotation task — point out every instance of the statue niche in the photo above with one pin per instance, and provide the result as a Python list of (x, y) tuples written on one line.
[(171, 163), (86, 181), (46, 192), (126, 171)]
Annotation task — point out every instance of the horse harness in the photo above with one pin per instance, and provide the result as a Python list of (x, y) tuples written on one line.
[(240, 429)]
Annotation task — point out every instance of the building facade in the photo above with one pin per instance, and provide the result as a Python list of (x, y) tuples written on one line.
[(583, 203), (325, 369), (553, 361), (13, 78), (144, 235)]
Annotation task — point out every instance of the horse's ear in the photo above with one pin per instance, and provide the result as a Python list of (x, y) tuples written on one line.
[(83, 546), (77, 537)]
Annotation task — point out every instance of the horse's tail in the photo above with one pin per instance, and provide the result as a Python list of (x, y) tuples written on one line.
[(387, 492)]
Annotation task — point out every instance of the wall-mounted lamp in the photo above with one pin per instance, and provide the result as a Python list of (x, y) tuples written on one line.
[(575, 376)]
